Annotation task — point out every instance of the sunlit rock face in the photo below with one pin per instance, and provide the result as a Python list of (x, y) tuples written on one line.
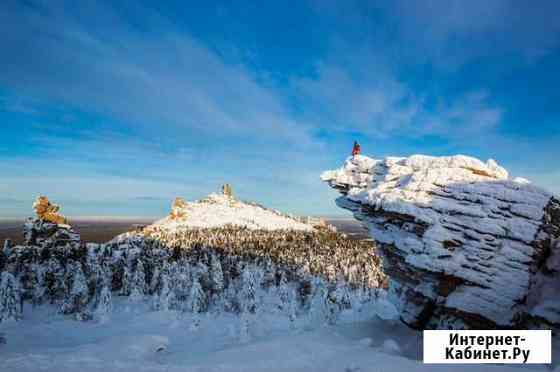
[(178, 209), (465, 246), (48, 211), (227, 190)]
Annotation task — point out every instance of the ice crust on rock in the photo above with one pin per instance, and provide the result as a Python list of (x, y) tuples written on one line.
[(462, 242)]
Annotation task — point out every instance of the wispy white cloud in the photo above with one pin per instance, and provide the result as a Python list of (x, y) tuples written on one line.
[(439, 29), (448, 34), (161, 79), (467, 115), (357, 99)]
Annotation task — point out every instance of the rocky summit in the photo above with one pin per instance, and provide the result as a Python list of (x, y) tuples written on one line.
[(222, 209), (464, 245)]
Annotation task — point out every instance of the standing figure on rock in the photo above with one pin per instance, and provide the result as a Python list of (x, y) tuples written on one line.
[(356, 149)]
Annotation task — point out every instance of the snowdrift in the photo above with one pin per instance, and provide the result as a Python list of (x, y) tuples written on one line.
[(464, 245)]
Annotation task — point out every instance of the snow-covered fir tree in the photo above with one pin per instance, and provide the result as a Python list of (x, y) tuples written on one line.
[(342, 294), (126, 281), (283, 292), (269, 277), (104, 304), (217, 276), (231, 302), (248, 294), (7, 248), (203, 273), (10, 305), (107, 274), (92, 265), (196, 302), (174, 272), (333, 306), (138, 290), (247, 303), (38, 284), (55, 280), (182, 282), (78, 297), (317, 312), (291, 308), (103, 295), (154, 280), (165, 299)]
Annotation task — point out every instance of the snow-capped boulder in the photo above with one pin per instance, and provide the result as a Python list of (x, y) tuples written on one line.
[(463, 244)]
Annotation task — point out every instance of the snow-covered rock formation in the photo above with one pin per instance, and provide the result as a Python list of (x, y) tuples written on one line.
[(463, 244), (48, 211), (218, 210)]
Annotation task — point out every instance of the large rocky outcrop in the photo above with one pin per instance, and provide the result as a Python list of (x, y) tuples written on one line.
[(223, 209), (48, 211), (465, 246)]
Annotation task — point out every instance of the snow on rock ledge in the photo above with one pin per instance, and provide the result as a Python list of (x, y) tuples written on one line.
[(464, 245)]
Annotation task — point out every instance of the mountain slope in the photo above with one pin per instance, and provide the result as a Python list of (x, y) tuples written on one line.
[(221, 210)]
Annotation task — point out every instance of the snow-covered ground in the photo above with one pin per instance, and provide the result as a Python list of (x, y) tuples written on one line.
[(219, 210), (137, 339)]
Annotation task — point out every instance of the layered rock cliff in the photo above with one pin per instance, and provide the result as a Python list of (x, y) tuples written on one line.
[(465, 246)]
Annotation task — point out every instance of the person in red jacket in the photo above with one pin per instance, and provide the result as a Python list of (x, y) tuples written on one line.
[(356, 149)]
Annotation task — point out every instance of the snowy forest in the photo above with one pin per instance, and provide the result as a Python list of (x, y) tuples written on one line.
[(299, 274)]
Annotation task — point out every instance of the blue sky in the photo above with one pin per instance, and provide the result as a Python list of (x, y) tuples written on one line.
[(116, 108)]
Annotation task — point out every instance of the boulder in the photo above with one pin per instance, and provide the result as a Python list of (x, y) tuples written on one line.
[(464, 245)]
